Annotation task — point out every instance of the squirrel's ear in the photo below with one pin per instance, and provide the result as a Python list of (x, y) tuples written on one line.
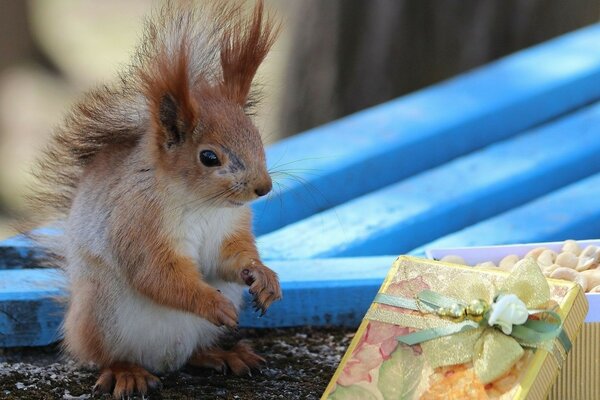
[(167, 90), (172, 126), (244, 46)]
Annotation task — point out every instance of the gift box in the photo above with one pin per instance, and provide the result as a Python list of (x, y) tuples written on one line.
[(578, 378), (442, 331)]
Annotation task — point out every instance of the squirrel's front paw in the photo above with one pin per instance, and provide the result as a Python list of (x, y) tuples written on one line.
[(218, 309), (264, 285)]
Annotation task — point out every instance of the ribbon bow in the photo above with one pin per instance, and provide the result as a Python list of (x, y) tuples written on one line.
[(480, 324)]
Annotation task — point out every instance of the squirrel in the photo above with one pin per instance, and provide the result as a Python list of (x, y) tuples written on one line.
[(149, 181)]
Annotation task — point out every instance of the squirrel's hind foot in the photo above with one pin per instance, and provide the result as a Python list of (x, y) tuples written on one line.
[(240, 359), (124, 380)]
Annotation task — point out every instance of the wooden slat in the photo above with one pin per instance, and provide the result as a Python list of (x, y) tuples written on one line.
[(316, 292), (19, 252), (28, 314), (572, 212), (462, 192), (382, 145)]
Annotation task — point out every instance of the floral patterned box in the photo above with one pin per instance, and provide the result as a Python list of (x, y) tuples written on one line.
[(441, 331)]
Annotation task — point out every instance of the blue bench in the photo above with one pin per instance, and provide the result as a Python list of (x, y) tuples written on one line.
[(505, 153)]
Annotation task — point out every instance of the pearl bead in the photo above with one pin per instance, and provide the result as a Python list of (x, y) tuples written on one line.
[(477, 308), (457, 311)]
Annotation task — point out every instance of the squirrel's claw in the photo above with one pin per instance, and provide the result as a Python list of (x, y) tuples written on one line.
[(264, 286), (124, 380), (219, 310)]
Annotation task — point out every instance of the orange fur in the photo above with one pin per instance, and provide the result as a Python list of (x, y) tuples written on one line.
[(241, 263), (238, 251), (243, 48), (240, 359), (81, 324)]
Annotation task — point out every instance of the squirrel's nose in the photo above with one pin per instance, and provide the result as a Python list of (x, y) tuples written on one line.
[(263, 189)]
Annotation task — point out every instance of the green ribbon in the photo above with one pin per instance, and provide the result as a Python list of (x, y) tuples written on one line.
[(492, 352)]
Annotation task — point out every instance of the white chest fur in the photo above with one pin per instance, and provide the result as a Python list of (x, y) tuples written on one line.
[(201, 233)]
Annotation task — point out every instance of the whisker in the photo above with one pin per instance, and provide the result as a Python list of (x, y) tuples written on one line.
[(311, 171), (313, 191), (296, 161), (208, 200)]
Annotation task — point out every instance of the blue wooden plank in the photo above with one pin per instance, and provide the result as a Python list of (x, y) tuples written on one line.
[(374, 148), (569, 213), (316, 292), (20, 252), (405, 215), (28, 314)]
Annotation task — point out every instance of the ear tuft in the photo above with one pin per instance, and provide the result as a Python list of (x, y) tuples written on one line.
[(167, 89), (170, 122), (244, 46)]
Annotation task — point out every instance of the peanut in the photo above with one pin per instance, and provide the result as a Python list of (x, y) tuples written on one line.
[(547, 271), (567, 259), (588, 258), (453, 259), (508, 262), (546, 258), (593, 277), (535, 253), (585, 263), (487, 264), (571, 246), (570, 275), (595, 289), (590, 251)]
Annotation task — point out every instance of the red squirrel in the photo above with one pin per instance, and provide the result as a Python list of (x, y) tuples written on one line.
[(150, 180)]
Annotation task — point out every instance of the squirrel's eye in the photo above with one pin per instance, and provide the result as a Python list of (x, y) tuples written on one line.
[(209, 158)]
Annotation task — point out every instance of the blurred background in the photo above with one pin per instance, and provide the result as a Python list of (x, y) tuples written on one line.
[(334, 57)]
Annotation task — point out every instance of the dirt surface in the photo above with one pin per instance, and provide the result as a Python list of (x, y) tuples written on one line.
[(300, 363)]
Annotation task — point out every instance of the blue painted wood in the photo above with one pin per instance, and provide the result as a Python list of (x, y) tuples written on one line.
[(382, 145), (19, 252), (572, 212), (413, 212), (317, 292), (28, 314)]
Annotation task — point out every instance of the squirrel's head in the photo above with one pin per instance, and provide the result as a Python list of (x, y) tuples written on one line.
[(218, 154), (201, 133)]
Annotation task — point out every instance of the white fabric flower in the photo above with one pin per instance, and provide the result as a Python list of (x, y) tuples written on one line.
[(508, 310)]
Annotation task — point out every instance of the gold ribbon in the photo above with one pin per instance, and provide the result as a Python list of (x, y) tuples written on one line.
[(492, 352)]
